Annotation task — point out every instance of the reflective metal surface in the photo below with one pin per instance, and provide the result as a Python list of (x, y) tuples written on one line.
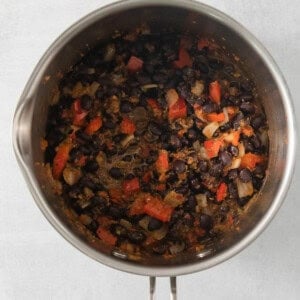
[(30, 117)]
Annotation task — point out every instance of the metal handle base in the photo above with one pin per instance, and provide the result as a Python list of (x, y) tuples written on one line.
[(173, 288)]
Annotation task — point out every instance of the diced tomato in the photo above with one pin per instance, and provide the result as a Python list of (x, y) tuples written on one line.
[(184, 59), (147, 176), (107, 237), (215, 92), (159, 210), (137, 207), (250, 160), (221, 192), (231, 111), (229, 219), (162, 163), (94, 125), (236, 138), (212, 147), (247, 130), (160, 187), (156, 108), (131, 186), (214, 117), (202, 43), (177, 110), (134, 64), (60, 159), (115, 195), (81, 161), (127, 126), (78, 113)]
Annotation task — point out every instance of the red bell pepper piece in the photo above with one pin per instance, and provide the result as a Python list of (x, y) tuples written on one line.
[(60, 159), (162, 162), (184, 59), (177, 110), (134, 64), (250, 160), (159, 210), (214, 117), (137, 207), (212, 147), (221, 192), (202, 43), (107, 237), (94, 125), (127, 126), (131, 186), (78, 113), (215, 92)]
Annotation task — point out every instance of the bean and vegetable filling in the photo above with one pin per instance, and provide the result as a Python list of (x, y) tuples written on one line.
[(157, 142)]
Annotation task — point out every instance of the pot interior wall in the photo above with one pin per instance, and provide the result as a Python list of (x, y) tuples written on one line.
[(183, 21)]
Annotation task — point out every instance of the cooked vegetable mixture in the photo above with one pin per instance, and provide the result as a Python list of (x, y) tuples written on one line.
[(157, 142)]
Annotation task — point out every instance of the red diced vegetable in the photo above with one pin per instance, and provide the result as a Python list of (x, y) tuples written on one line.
[(159, 210), (184, 59), (81, 161), (94, 125), (247, 130), (137, 207), (78, 113), (215, 92), (131, 186), (115, 195), (156, 108), (147, 176), (214, 117), (177, 110), (250, 160), (134, 64), (236, 138), (60, 159), (221, 192), (202, 43), (162, 163), (212, 147), (127, 126), (107, 237)]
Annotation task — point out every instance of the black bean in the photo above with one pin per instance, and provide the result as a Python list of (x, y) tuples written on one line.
[(257, 182), (245, 175), (236, 120), (248, 145), (172, 178), (233, 150), (109, 124), (224, 208), (149, 68), (203, 67), (116, 212), (118, 230), (203, 165), (91, 166), (246, 97), (243, 201), (257, 121), (154, 224), (229, 68), (247, 108), (232, 191), (182, 189), (225, 157), (216, 64), (206, 222), (154, 128), (54, 137), (130, 176), (184, 141), (175, 142), (49, 154), (136, 237), (216, 170), (160, 248), (246, 86), (179, 166), (86, 102), (191, 203), (119, 137), (192, 134), (127, 158), (255, 141), (98, 201), (232, 174), (143, 78), (116, 173), (82, 137), (126, 106), (195, 184), (93, 226), (210, 107), (225, 127), (259, 171)]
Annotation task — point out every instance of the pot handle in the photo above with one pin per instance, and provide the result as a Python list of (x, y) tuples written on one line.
[(173, 292)]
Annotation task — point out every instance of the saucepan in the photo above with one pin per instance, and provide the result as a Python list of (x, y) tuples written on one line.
[(183, 16)]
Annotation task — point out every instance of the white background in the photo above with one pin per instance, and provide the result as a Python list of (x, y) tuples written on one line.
[(36, 263)]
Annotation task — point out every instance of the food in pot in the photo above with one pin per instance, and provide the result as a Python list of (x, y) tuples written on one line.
[(158, 142)]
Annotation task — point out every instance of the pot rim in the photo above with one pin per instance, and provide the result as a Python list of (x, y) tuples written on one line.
[(128, 266)]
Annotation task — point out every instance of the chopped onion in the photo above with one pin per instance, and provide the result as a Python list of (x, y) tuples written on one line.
[(177, 247), (197, 145), (210, 129), (226, 116), (127, 140), (173, 199), (110, 52), (264, 138), (171, 97), (125, 223), (201, 200), (203, 154), (149, 86), (236, 162), (198, 88), (93, 88), (160, 233), (244, 188), (241, 149), (71, 175), (144, 222)]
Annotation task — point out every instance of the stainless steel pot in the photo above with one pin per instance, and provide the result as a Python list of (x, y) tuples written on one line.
[(30, 116)]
